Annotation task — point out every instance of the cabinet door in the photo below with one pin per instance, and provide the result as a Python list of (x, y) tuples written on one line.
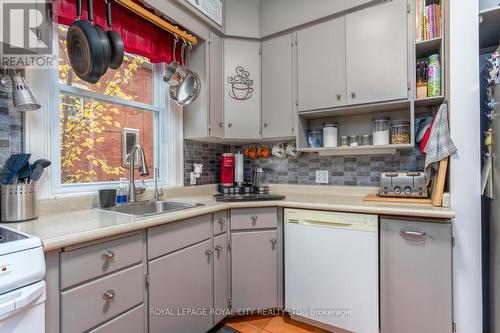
[(415, 276), (277, 109), (216, 119), (254, 270), (221, 277), (377, 53), (241, 89), (179, 282), (321, 72)]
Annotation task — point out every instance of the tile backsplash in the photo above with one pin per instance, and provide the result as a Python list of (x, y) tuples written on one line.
[(11, 129), (343, 170)]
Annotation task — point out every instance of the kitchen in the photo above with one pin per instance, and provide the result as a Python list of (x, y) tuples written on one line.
[(246, 166)]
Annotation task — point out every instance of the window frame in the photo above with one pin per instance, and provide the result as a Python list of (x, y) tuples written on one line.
[(42, 130)]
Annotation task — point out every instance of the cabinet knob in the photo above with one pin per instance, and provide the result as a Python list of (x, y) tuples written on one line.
[(339, 96), (229, 124), (218, 248), (353, 94), (221, 124), (108, 255), (273, 243), (209, 252), (221, 221), (265, 125), (254, 219), (109, 295)]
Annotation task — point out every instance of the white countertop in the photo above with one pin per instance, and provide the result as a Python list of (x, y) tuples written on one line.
[(68, 225)]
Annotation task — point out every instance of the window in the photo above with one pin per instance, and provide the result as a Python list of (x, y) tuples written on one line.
[(99, 123)]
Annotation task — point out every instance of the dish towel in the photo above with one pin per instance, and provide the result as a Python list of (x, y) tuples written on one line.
[(440, 144)]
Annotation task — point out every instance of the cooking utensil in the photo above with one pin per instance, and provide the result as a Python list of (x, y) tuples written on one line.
[(13, 165), (117, 48), (85, 49), (43, 162), (37, 173), (190, 87), (24, 99), (175, 73)]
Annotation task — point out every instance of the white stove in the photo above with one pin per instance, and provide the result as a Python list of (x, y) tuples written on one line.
[(22, 289)]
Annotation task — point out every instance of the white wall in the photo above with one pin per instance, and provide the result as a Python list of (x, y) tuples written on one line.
[(279, 15), (242, 18), (465, 166)]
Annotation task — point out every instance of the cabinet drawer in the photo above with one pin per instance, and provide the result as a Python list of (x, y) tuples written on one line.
[(174, 236), (220, 222), (88, 305), (129, 322), (93, 261), (254, 218)]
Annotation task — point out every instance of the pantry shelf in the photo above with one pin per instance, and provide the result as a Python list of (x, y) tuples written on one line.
[(429, 101), (359, 150), (427, 47)]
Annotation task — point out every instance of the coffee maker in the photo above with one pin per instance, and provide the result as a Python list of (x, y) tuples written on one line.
[(227, 169)]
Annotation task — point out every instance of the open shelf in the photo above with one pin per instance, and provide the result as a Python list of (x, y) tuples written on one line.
[(427, 47), (359, 150), (429, 101), (489, 27), (353, 110)]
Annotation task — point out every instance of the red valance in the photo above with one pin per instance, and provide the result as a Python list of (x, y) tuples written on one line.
[(139, 36)]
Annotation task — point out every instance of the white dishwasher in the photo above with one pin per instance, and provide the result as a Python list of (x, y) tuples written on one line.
[(331, 269)]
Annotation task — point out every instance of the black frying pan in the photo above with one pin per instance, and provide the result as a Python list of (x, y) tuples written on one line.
[(115, 41), (85, 50), (103, 38)]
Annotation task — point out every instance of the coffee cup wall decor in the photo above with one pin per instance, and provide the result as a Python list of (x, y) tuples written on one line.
[(241, 85)]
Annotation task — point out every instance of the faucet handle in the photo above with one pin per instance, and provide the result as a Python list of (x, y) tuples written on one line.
[(158, 193)]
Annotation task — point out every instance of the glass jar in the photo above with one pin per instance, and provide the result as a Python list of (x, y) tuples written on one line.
[(344, 141), (400, 132), (433, 76), (380, 130), (315, 137), (330, 133), (353, 141), (366, 140)]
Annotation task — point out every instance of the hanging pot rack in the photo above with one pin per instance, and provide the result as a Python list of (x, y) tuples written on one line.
[(159, 22)]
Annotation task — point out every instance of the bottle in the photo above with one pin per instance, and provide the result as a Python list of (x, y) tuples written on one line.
[(434, 76), (121, 193)]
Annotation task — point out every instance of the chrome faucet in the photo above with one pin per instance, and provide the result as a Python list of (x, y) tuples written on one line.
[(143, 169)]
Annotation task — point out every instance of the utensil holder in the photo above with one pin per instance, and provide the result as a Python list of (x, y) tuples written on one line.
[(18, 203)]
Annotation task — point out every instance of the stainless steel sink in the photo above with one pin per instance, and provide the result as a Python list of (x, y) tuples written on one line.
[(148, 208)]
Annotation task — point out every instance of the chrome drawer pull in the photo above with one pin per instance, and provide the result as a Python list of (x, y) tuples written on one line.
[(273, 243), (109, 295), (109, 255), (209, 252), (254, 219), (221, 221), (218, 248)]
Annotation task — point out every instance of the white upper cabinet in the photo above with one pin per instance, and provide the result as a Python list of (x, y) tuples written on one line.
[(321, 66), (242, 89), (277, 99), (377, 53), (216, 68)]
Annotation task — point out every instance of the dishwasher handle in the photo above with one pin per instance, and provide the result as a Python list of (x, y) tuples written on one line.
[(413, 234)]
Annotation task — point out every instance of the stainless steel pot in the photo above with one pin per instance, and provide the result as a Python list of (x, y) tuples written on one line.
[(175, 73), (189, 89)]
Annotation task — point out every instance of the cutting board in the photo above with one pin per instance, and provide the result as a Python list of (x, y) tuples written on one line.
[(376, 198)]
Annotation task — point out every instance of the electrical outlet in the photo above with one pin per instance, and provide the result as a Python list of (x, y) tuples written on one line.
[(322, 176)]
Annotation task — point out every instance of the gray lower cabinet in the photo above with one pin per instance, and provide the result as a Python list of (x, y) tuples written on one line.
[(254, 270), (180, 290), (415, 276), (221, 278)]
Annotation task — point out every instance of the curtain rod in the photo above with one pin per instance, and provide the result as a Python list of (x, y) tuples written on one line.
[(159, 22)]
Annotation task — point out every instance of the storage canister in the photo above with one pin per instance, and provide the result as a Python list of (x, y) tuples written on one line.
[(353, 141), (344, 141), (330, 133), (400, 132), (18, 202), (433, 76), (315, 137), (380, 131), (366, 140)]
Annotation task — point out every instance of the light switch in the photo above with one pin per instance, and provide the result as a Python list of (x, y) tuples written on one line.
[(322, 176)]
